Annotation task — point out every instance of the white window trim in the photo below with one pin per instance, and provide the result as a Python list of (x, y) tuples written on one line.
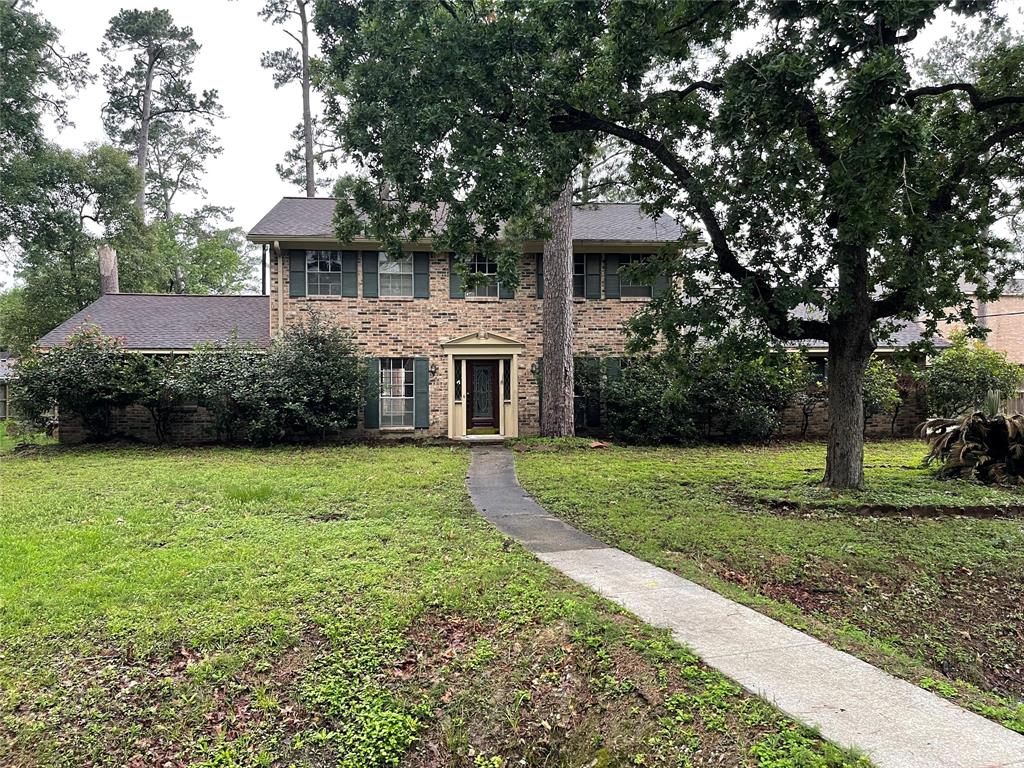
[(411, 369), (340, 273), (381, 257), (471, 293)]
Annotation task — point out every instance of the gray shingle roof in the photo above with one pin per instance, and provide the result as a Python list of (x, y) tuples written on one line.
[(170, 322), (906, 332), (1014, 288), (297, 217)]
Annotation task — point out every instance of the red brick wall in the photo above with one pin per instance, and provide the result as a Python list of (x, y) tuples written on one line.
[(417, 327), (1006, 331), (910, 415), (187, 426)]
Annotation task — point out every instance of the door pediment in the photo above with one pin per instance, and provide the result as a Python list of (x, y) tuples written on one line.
[(475, 343)]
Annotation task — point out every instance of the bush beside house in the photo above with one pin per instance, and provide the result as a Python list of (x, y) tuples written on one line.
[(309, 384), (960, 377)]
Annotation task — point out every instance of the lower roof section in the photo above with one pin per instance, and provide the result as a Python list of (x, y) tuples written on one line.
[(169, 322)]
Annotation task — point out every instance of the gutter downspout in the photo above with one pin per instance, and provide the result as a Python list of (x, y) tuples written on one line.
[(276, 248), (263, 275)]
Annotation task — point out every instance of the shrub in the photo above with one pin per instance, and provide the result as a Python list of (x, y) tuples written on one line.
[(732, 390), (736, 387), (88, 376), (639, 408), (961, 376), (307, 384), (880, 389), (319, 383), (233, 383)]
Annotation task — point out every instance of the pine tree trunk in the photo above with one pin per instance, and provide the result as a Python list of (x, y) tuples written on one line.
[(144, 121), (848, 353), (307, 114), (557, 414)]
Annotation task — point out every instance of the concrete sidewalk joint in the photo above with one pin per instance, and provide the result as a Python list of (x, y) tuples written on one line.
[(853, 704)]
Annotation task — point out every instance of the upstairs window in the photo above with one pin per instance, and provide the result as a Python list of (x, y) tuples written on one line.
[(395, 274), (488, 285), (629, 288), (323, 273)]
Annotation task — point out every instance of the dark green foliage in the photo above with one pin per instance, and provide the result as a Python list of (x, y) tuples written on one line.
[(231, 381), (987, 448), (960, 377), (309, 384), (736, 387), (881, 388), (36, 73), (88, 376), (318, 381), (731, 390)]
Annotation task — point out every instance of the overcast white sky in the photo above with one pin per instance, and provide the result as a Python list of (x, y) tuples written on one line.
[(259, 119)]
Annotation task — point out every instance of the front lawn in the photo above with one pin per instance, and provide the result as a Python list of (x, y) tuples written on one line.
[(335, 606), (921, 576)]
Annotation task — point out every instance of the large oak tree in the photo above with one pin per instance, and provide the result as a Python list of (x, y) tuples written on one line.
[(837, 189)]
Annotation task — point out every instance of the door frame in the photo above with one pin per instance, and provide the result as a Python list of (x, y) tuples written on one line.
[(495, 420), (482, 345)]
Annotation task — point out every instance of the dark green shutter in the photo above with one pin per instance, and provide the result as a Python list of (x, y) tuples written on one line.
[(371, 285), (296, 273), (540, 275), (421, 402), (592, 270), (348, 273), (660, 285), (455, 289), (611, 276), (421, 275), (371, 412)]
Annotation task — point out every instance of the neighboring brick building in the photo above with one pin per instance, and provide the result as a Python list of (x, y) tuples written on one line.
[(1004, 319), (453, 364)]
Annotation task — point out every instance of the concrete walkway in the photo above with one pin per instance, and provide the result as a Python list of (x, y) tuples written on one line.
[(852, 703)]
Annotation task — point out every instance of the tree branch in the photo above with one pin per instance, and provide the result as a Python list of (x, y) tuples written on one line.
[(690, 22), (938, 206), (979, 102), (815, 133), (777, 319), (681, 93)]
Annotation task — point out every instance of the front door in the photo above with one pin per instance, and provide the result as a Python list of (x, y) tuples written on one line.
[(482, 405)]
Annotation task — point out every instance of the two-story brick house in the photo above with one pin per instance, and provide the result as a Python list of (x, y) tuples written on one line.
[(453, 362)]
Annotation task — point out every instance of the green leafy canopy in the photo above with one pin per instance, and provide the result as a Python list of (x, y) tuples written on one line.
[(821, 167)]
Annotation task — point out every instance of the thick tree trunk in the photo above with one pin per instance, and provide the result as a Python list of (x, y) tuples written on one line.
[(557, 415), (307, 114), (144, 121), (849, 349)]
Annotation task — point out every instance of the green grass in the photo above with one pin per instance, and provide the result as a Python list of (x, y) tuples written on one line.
[(9, 442), (338, 606), (938, 600)]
